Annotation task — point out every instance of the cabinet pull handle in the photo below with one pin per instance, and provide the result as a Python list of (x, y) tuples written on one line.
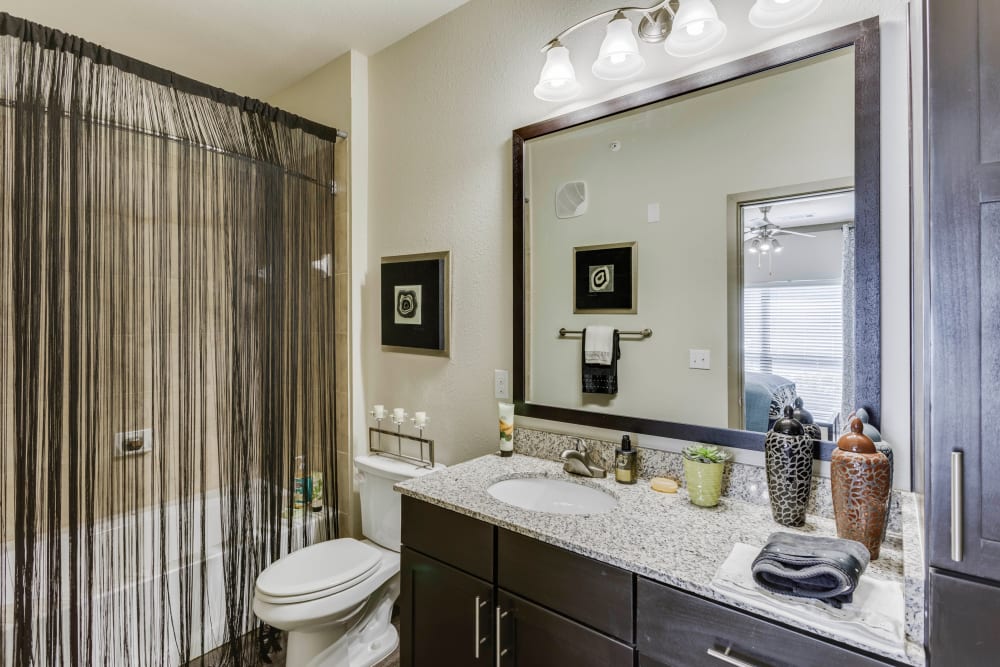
[(725, 657), (956, 506), (477, 627), (498, 636), (501, 652)]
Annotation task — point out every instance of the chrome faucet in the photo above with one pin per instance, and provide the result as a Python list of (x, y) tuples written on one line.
[(578, 461)]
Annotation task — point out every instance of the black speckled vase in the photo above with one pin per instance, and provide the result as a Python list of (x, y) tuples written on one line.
[(788, 455)]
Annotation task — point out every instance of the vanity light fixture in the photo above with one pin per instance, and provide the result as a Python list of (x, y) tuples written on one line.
[(697, 29), (557, 82), (619, 55), (779, 13), (686, 28)]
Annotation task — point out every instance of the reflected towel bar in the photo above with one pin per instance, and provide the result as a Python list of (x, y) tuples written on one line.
[(645, 333)]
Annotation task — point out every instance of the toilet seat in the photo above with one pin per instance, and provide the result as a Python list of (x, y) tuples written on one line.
[(318, 571)]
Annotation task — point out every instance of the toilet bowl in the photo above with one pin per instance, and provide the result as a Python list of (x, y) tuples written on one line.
[(335, 598)]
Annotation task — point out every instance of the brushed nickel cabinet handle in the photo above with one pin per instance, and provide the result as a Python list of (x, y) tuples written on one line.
[(956, 506), (501, 652), (725, 657), (477, 627)]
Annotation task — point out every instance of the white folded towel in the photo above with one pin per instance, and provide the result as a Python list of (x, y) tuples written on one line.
[(876, 614), (599, 345)]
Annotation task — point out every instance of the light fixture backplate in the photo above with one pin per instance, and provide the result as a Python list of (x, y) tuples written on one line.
[(655, 26)]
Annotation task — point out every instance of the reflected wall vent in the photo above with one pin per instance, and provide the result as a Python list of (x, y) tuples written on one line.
[(571, 200)]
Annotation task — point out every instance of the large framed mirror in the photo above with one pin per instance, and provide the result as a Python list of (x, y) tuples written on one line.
[(717, 238)]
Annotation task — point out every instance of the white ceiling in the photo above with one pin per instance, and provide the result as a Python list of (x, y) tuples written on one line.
[(252, 47), (806, 211)]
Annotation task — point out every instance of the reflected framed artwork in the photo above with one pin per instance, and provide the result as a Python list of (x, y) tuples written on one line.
[(415, 300), (605, 278)]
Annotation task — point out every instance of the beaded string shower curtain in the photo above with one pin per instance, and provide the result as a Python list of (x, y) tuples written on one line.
[(166, 354)]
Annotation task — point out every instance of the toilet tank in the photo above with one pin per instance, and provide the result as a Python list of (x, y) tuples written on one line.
[(380, 505)]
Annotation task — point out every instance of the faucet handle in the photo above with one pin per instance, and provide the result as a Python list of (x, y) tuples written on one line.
[(580, 444)]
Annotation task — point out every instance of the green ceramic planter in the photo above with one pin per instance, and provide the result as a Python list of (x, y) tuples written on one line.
[(704, 482)]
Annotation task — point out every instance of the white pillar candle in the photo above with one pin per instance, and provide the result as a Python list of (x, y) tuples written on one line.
[(379, 411), (420, 418), (398, 414)]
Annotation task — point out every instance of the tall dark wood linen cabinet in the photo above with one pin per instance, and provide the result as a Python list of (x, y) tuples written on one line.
[(963, 449)]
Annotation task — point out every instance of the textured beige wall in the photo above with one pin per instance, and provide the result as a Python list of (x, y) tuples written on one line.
[(323, 96)]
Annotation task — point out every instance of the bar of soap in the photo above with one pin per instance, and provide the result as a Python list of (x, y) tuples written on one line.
[(664, 485)]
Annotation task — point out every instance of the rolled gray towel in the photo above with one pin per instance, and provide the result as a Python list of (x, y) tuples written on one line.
[(822, 568)]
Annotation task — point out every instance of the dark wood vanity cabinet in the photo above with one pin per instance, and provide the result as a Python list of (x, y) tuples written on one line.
[(473, 594), (465, 583), (962, 398)]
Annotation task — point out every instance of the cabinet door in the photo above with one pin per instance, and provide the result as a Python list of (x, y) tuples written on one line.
[(446, 615), (963, 67), (532, 636), (963, 622)]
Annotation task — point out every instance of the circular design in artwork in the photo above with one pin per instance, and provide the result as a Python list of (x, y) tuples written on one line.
[(408, 304), (602, 278)]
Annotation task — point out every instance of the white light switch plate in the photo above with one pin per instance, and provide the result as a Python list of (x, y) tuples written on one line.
[(700, 359), (501, 384), (653, 212)]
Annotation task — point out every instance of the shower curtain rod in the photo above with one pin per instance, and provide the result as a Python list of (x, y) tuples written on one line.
[(181, 140), (59, 41)]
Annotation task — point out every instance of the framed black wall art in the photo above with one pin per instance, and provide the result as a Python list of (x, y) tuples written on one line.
[(415, 303), (606, 279)]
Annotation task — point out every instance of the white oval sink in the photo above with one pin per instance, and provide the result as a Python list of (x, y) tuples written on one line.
[(542, 494)]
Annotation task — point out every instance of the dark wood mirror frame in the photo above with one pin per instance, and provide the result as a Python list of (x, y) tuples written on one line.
[(864, 37)]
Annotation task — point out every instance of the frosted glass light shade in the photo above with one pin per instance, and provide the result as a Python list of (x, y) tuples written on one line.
[(779, 13), (557, 81), (619, 55), (696, 30)]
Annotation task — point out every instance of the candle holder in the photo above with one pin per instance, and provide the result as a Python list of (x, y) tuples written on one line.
[(375, 447), (378, 425), (420, 426)]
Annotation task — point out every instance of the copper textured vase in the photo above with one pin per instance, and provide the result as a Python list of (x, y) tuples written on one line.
[(788, 457), (861, 479), (805, 418)]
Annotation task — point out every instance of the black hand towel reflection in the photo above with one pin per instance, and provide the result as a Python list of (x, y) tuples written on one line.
[(821, 568), (600, 372)]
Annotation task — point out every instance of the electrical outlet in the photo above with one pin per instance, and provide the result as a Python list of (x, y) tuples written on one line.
[(501, 384), (700, 359)]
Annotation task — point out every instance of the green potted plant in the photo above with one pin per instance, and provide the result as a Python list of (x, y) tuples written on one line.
[(703, 468)]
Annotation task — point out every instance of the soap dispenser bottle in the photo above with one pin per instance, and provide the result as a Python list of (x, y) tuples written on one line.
[(626, 462)]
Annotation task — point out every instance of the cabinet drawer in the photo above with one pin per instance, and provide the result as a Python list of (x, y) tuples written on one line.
[(454, 538), (532, 636), (963, 622), (594, 593), (677, 629)]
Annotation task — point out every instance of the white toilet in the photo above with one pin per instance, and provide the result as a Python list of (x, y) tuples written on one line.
[(335, 598)]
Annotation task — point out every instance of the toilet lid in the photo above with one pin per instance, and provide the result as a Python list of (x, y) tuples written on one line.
[(327, 567)]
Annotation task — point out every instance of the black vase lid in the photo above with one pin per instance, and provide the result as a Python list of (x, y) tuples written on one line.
[(788, 425), (801, 415)]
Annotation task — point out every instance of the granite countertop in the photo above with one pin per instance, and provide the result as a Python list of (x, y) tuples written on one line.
[(661, 536)]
